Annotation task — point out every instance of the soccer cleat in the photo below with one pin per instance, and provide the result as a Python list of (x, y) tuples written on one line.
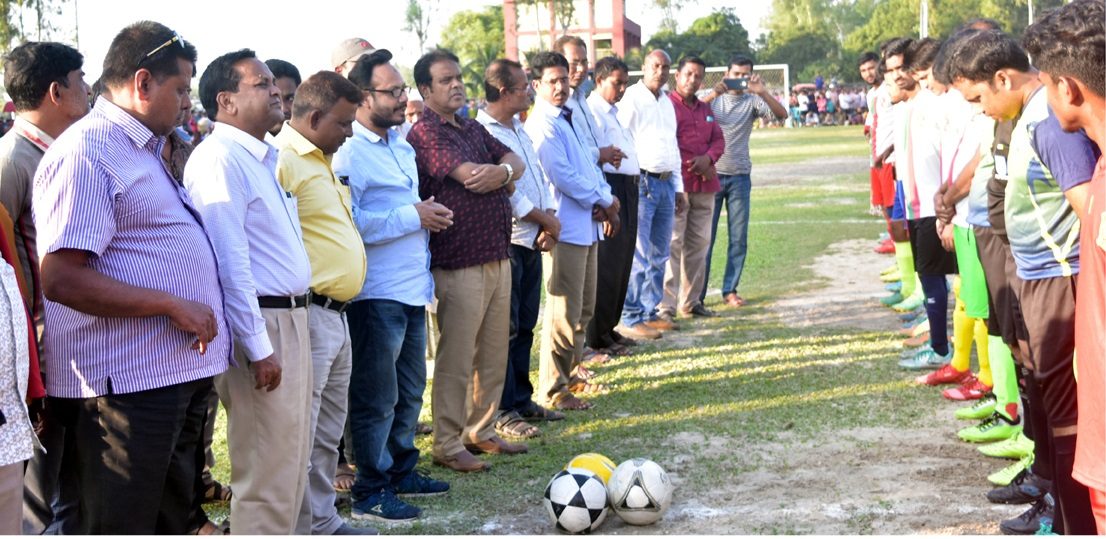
[(909, 304), (893, 287), (926, 358), (910, 317), (982, 408), (891, 277), (1012, 448), (969, 390), (995, 428), (1006, 475), (945, 375), (920, 339), (1027, 487), (893, 299), (1032, 520), (885, 247), (893, 268)]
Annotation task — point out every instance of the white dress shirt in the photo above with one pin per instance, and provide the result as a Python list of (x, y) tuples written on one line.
[(584, 123), (254, 226), (606, 119), (652, 121), (532, 190)]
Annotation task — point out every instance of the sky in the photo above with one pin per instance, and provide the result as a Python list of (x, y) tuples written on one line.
[(306, 36)]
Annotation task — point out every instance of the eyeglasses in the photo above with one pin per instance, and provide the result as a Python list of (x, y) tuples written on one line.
[(396, 92), (175, 39)]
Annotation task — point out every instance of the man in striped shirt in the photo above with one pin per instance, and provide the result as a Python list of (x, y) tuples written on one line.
[(133, 300)]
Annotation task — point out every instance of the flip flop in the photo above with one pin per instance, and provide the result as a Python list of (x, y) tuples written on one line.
[(571, 402)]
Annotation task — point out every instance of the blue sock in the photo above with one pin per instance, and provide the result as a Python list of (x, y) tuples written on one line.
[(937, 308)]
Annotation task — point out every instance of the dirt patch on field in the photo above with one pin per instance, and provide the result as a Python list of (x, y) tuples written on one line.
[(797, 173)]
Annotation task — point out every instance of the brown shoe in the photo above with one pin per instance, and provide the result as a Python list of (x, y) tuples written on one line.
[(661, 324), (733, 300), (497, 446), (641, 331), (462, 461)]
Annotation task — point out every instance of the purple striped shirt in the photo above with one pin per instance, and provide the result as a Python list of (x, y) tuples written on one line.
[(102, 188)]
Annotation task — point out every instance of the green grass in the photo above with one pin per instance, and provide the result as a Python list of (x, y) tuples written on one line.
[(747, 380)]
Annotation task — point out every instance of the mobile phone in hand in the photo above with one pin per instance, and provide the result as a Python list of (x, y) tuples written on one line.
[(737, 84)]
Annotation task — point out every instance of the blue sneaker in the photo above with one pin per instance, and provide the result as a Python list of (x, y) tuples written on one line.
[(418, 484), (926, 358), (894, 299), (893, 287), (384, 506)]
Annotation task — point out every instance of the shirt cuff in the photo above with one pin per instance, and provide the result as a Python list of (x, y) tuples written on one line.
[(409, 219), (678, 179), (520, 205), (257, 346)]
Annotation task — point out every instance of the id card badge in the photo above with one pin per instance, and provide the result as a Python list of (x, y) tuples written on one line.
[(1002, 171)]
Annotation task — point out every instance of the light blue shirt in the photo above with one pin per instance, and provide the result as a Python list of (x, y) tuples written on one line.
[(384, 185), (532, 190), (578, 184)]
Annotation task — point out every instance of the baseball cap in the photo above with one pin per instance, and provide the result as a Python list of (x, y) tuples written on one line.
[(350, 49)]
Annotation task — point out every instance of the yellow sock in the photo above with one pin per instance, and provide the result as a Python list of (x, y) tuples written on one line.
[(905, 260), (961, 335), (983, 351)]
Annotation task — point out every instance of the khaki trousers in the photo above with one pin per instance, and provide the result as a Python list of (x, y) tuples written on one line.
[(11, 498), (570, 274), (685, 275), (474, 308), (268, 436)]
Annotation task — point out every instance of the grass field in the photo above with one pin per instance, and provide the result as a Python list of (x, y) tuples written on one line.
[(743, 378)]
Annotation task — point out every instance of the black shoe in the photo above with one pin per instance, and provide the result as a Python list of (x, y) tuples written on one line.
[(1027, 487), (1029, 522), (700, 311)]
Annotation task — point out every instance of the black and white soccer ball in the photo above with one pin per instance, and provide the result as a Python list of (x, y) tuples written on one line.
[(576, 500), (639, 491)]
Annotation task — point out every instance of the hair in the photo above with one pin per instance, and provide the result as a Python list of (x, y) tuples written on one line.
[(422, 67), (741, 60), (220, 76), (942, 64), (979, 55), (545, 60), (31, 68), (867, 57), (921, 54), (321, 91), (981, 23), (97, 90), (607, 66), (690, 60), (1070, 41), (282, 69), (896, 47), (362, 73), (498, 75), (559, 45), (131, 48)]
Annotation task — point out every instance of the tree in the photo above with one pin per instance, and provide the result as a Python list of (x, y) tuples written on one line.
[(21, 20), (714, 38), (476, 37), (670, 8), (417, 20)]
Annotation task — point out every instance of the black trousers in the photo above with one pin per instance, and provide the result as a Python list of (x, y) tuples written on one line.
[(616, 259), (139, 458), (50, 486)]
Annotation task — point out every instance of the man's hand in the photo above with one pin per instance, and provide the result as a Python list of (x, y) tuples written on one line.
[(196, 319), (597, 213), (612, 226), (37, 412), (720, 88), (700, 165), (945, 212), (878, 161), (545, 242), (486, 178), (611, 155), (550, 225), (681, 203), (433, 216), (944, 230), (266, 372), (756, 84)]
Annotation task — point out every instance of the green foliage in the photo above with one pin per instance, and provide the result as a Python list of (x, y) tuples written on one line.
[(417, 19), (476, 37), (23, 20), (714, 38)]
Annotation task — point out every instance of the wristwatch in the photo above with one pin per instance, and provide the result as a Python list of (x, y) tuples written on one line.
[(510, 172)]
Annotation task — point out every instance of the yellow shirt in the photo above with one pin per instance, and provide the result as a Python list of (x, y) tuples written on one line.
[(333, 244)]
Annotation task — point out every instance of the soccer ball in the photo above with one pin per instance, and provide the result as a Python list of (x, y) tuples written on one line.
[(639, 491), (576, 500), (593, 462)]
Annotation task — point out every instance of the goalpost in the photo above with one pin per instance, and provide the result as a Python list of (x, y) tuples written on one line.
[(777, 77)]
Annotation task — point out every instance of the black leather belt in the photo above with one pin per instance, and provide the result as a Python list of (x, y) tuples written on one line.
[(327, 303), (282, 302), (657, 175), (632, 178)]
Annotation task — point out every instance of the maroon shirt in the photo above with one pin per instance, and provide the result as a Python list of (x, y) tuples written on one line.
[(697, 134), (481, 230)]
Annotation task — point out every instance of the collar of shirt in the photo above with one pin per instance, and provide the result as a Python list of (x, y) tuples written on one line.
[(294, 139), (32, 133), (362, 131), (434, 116), (486, 119), (259, 149), (550, 110), (135, 130), (600, 105)]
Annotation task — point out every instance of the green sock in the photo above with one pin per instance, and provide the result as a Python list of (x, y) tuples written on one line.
[(905, 259), (1004, 376)]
